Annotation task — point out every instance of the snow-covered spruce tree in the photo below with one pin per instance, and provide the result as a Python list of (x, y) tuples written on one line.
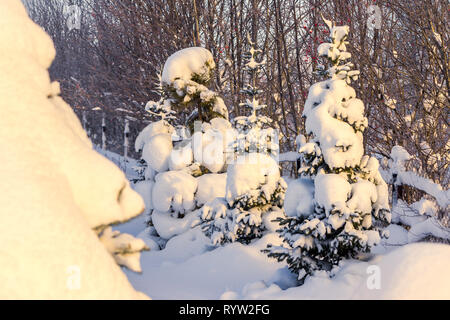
[(330, 210), (184, 170), (254, 188)]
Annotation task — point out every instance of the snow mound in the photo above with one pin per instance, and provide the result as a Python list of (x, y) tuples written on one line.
[(186, 63), (55, 188), (414, 271), (185, 269)]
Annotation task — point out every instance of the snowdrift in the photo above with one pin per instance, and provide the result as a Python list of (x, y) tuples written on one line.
[(55, 188), (414, 271)]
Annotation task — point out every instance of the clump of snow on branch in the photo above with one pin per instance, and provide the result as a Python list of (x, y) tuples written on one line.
[(421, 217), (125, 248), (253, 179), (211, 144), (174, 191), (299, 199), (211, 186)]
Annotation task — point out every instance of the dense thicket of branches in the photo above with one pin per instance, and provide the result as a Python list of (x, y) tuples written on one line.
[(111, 62)]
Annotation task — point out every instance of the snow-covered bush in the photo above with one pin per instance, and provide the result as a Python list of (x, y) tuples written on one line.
[(183, 81), (341, 190), (178, 160), (254, 189), (177, 194), (254, 181), (420, 217), (56, 191), (171, 185)]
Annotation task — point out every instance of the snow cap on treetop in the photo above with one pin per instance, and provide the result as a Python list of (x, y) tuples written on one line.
[(186, 63)]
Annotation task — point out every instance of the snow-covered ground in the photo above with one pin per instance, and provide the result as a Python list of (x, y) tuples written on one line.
[(189, 268)]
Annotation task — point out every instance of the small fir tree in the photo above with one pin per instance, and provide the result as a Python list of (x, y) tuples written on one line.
[(254, 131), (240, 215)]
